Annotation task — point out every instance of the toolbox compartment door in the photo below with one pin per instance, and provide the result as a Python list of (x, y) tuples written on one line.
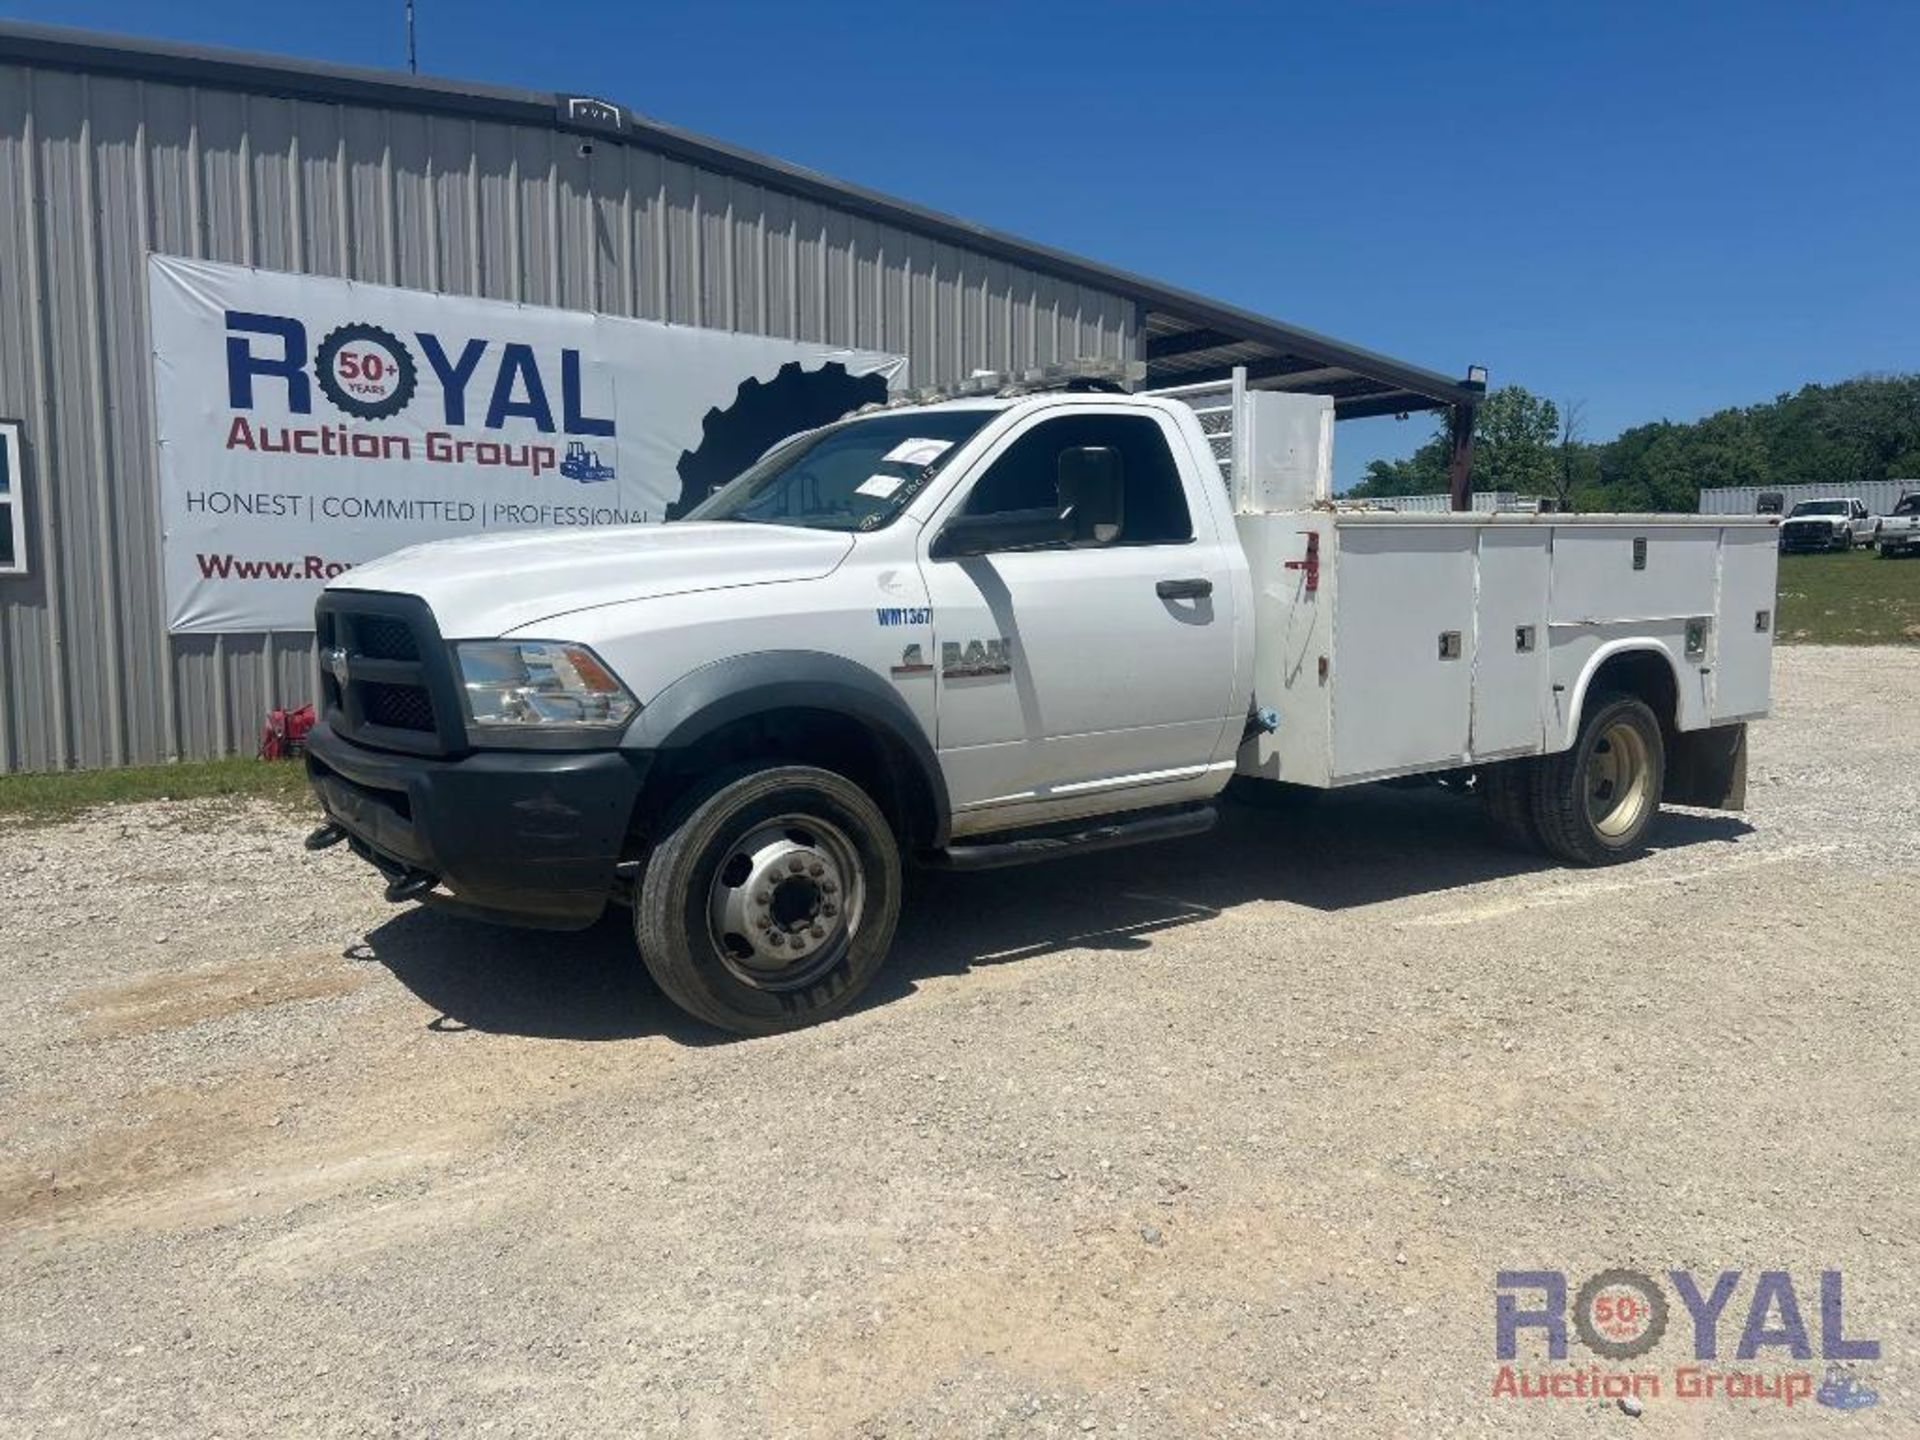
[(1743, 638), (1510, 684), (1402, 654)]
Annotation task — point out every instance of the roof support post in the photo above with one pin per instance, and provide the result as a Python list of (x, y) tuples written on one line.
[(1460, 469)]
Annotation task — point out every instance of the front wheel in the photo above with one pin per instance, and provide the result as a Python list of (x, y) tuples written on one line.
[(1594, 802), (771, 900)]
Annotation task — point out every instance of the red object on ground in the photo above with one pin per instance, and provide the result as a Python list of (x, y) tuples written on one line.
[(285, 733)]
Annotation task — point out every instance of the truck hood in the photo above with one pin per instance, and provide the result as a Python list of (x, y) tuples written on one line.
[(490, 585)]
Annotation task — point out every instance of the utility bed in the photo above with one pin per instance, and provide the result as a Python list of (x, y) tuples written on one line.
[(1391, 644)]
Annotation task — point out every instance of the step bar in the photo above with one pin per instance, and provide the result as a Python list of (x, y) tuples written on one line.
[(1056, 844)]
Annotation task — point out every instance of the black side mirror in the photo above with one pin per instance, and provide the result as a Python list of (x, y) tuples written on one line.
[(966, 535), (1092, 494)]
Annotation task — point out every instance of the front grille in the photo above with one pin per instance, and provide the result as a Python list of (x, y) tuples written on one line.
[(399, 707), (386, 680), (380, 637)]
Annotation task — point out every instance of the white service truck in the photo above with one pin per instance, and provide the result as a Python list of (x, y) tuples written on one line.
[(997, 629)]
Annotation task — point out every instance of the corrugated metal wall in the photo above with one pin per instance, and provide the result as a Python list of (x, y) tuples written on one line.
[(95, 170), (1880, 495)]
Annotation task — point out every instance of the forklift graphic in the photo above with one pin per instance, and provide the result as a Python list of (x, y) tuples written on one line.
[(583, 464)]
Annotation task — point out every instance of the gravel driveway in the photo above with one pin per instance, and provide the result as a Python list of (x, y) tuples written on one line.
[(1228, 1136)]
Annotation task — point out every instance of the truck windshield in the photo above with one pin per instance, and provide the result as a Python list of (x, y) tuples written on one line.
[(856, 475), (1819, 507)]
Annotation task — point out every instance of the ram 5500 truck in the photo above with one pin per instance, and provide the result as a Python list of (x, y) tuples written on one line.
[(990, 630)]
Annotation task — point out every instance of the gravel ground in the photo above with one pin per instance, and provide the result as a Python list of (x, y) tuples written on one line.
[(1224, 1137)]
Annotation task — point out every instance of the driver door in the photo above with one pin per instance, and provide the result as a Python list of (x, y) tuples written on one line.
[(1076, 679)]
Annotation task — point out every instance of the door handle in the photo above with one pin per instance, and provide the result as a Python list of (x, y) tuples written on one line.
[(1195, 589)]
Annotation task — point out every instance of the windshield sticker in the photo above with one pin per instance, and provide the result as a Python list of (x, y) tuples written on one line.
[(917, 452), (881, 487)]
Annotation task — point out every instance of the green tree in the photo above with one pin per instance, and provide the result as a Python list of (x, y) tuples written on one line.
[(1514, 436), (1859, 430)]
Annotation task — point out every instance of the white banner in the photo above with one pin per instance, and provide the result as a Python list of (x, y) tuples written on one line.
[(308, 424)]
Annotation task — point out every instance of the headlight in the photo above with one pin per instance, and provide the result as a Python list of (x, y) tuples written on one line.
[(517, 688)]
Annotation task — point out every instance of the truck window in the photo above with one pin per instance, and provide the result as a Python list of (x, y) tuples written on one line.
[(856, 475), (1155, 506)]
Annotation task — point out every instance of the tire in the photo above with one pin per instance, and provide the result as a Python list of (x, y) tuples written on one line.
[(1594, 802), (1506, 790), (751, 864)]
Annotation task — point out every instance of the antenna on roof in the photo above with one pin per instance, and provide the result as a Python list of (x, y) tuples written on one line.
[(413, 55)]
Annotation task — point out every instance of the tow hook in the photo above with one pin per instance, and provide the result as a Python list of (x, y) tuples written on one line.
[(410, 886), (325, 838)]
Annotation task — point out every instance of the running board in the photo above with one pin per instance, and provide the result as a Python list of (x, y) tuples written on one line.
[(1108, 835)]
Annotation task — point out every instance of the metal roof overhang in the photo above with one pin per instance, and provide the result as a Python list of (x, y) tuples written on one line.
[(1187, 338)]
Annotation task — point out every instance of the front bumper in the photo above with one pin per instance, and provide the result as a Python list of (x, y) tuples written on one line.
[(520, 837), (1807, 537)]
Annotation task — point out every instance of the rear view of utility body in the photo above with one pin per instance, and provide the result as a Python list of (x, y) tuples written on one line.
[(994, 630)]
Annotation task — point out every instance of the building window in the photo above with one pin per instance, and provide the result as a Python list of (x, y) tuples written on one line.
[(13, 510)]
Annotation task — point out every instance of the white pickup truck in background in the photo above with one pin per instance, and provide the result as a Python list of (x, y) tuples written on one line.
[(1837, 524), (1898, 531), (996, 629)]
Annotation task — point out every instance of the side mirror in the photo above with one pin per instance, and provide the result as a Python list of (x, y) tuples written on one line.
[(966, 535), (1092, 494)]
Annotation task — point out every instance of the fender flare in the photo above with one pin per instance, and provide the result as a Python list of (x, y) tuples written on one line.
[(1636, 645), (740, 686)]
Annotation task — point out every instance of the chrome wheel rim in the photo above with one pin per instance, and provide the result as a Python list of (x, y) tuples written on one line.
[(785, 902), (1619, 780)]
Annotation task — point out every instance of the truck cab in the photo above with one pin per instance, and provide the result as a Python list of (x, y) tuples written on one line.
[(972, 633)]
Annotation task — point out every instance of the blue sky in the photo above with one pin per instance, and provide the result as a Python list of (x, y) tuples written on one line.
[(1659, 210)]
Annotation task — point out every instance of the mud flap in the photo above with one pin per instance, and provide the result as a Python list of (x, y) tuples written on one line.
[(1708, 768)]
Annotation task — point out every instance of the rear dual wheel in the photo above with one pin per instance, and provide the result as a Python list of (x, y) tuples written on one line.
[(1593, 803), (1506, 789), (771, 899)]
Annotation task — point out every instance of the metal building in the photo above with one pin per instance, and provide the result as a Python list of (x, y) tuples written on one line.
[(1880, 496), (113, 148)]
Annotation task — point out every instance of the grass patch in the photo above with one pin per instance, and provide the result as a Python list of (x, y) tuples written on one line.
[(47, 796), (1855, 598)]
